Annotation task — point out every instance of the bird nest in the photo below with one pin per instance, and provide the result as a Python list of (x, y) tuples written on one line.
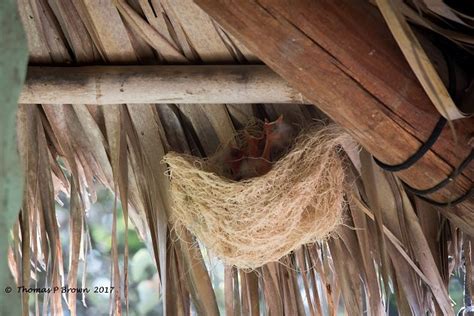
[(296, 200)]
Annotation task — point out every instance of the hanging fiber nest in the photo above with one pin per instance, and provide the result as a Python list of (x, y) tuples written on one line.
[(251, 222)]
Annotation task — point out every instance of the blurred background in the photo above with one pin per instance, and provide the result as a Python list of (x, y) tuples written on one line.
[(144, 289)]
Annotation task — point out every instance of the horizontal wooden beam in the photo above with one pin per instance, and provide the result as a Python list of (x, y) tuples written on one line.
[(342, 57), (156, 84)]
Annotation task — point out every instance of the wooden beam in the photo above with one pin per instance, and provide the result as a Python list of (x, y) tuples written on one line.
[(342, 57), (156, 84)]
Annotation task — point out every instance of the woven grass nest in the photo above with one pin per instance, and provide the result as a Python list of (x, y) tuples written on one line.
[(252, 221)]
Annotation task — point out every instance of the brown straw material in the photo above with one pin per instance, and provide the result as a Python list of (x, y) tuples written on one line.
[(255, 221)]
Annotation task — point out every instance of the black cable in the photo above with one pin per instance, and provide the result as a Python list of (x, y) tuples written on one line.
[(426, 146), (460, 199), (443, 183), (419, 153)]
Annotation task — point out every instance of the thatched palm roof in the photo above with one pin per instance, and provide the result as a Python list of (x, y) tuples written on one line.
[(391, 242)]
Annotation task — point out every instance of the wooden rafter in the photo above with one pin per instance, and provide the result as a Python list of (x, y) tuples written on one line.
[(342, 57), (156, 84)]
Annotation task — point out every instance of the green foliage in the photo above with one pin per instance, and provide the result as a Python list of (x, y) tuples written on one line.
[(13, 61), (144, 290)]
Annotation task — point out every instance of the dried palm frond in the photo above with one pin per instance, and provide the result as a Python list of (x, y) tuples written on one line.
[(397, 14), (391, 243)]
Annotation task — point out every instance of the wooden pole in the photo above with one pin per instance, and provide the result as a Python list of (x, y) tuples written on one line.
[(156, 84), (342, 57)]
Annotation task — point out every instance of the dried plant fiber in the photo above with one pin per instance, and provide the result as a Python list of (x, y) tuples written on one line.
[(251, 222)]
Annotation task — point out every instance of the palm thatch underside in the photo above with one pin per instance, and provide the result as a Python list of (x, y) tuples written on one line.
[(391, 242)]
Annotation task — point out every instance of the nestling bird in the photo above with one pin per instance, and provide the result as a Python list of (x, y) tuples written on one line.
[(258, 151)]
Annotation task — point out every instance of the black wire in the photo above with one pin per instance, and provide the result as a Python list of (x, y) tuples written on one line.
[(443, 183), (419, 153), (426, 146), (454, 202)]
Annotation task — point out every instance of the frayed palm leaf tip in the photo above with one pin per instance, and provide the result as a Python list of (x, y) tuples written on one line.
[(254, 221)]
